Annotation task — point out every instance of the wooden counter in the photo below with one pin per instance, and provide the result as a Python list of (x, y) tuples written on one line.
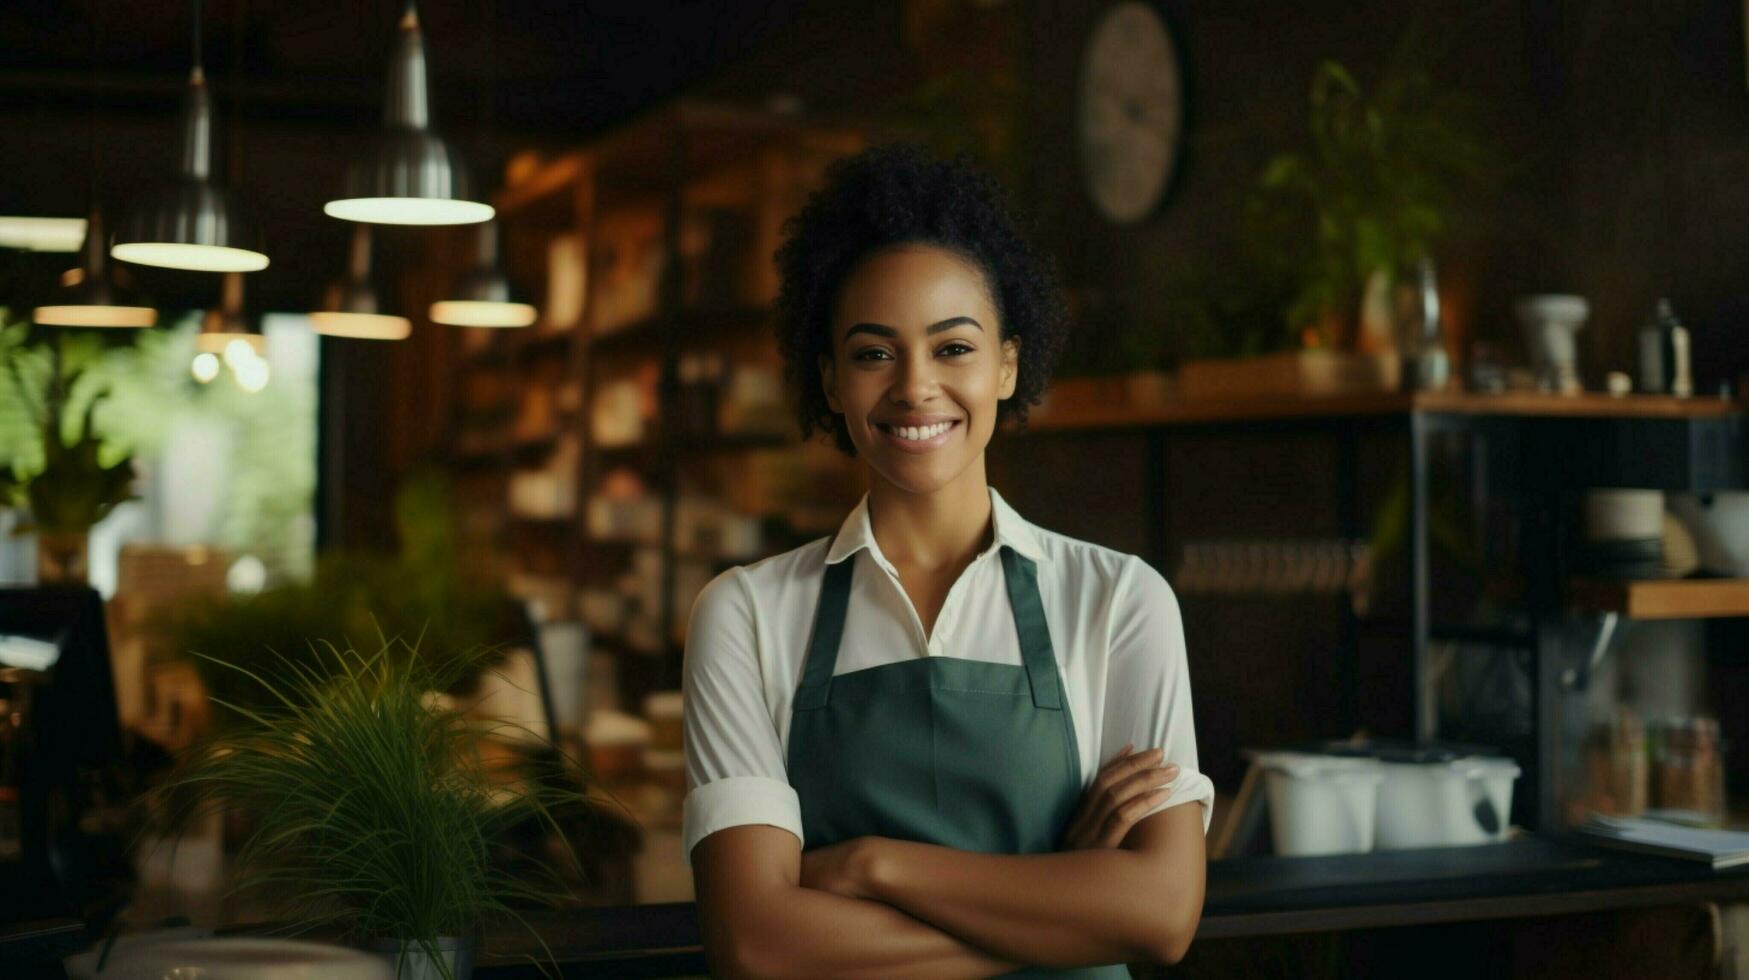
[(1117, 414), (1254, 896)]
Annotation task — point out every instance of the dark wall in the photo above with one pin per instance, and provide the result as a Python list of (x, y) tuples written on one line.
[(1620, 132), (1621, 129)]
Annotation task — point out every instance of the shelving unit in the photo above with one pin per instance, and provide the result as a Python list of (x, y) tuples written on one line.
[(659, 237), (1541, 451)]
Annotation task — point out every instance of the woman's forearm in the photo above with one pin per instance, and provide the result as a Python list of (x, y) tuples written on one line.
[(1073, 908), (808, 933)]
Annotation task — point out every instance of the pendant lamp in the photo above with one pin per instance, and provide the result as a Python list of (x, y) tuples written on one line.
[(227, 339), (484, 297), (192, 223), (410, 175), (350, 308), (225, 330), (89, 297)]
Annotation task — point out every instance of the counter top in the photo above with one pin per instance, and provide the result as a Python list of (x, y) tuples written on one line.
[(1531, 876), (1181, 411), (1248, 896)]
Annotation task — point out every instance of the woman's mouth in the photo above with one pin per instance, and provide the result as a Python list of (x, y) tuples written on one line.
[(917, 438)]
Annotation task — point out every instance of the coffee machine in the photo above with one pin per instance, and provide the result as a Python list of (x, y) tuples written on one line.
[(59, 735)]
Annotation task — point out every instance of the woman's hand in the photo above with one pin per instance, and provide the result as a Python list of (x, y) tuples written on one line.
[(841, 868), (1128, 786)]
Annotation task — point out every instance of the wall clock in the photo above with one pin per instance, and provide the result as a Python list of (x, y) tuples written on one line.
[(1129, 111)]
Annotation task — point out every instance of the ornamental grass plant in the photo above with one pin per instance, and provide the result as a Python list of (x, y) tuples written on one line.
[(371, 812)]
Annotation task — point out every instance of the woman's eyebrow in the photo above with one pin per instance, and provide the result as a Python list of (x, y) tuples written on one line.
[(882, 330)]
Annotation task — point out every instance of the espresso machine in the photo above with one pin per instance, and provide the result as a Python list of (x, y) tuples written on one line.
[(59, 738)]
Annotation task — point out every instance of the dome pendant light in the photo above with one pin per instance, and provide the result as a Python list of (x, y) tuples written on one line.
[(90, 298), (484, 298), (351, 309), (410, 176), (192, 224)]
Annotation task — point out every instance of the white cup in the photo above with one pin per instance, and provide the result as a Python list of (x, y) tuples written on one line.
[(1617, 514)]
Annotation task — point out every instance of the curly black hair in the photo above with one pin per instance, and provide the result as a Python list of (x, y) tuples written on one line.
[(898, 194)]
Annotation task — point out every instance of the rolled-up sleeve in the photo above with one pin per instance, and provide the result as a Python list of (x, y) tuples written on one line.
[(1147, 695), (735, 771)]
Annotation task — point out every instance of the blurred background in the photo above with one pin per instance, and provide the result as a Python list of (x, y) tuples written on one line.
[(1409, 339)]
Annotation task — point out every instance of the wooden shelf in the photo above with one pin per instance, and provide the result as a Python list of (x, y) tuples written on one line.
[(1692, 598), (1184, 411), (646, 184)]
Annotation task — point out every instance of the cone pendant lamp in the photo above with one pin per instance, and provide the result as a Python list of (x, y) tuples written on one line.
[(484, 298), (409, 175), (91, 298), (192, 223), (351, 308)]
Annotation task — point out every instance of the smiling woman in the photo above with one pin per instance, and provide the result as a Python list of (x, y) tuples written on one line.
[(896, 197), (908, 745), (918, 402)]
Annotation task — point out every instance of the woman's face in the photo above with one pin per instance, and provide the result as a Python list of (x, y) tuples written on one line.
[(918, 365)]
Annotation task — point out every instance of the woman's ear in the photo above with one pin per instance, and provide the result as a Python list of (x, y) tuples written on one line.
[(829, 382), (1010, 368)]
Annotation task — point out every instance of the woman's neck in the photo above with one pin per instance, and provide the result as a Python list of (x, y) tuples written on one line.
[(945, 527)]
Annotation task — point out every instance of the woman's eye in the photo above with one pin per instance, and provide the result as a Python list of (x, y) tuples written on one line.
[(869, 354), (955, 349)]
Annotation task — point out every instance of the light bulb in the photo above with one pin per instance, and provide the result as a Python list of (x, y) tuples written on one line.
[(251, 375), (238, 352), (247, 574), (206, 367)]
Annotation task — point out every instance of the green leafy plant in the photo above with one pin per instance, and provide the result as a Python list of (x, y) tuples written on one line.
[(371, 807), (261, 445), (1373, 191), (75, 489), (68, 487)]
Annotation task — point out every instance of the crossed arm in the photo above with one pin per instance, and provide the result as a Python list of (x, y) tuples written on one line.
[(884, 908)]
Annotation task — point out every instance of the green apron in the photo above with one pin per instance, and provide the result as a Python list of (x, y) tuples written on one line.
[(968, 754)]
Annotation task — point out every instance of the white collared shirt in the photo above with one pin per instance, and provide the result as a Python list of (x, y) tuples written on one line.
[(1114, 625)]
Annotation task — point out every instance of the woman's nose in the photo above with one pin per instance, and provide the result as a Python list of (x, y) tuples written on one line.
[(916, 381)]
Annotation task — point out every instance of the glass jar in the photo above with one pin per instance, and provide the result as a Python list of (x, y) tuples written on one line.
[(1616, 767), (1688, 772)]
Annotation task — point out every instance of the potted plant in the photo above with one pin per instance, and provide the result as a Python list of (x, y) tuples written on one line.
[(1369, 197), (370, 807), (71, 486), (1330, 233)]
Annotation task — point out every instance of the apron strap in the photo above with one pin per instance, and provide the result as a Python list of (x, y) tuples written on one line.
[(1036, 651), (1035, 634), (828, 630)]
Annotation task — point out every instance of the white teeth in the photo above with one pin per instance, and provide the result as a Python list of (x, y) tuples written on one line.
[(917, 433)]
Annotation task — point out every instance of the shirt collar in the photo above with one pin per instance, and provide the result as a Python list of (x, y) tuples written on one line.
[(856, 533)]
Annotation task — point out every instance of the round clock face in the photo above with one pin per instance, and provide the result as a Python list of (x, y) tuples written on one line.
[(1130, 111)]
